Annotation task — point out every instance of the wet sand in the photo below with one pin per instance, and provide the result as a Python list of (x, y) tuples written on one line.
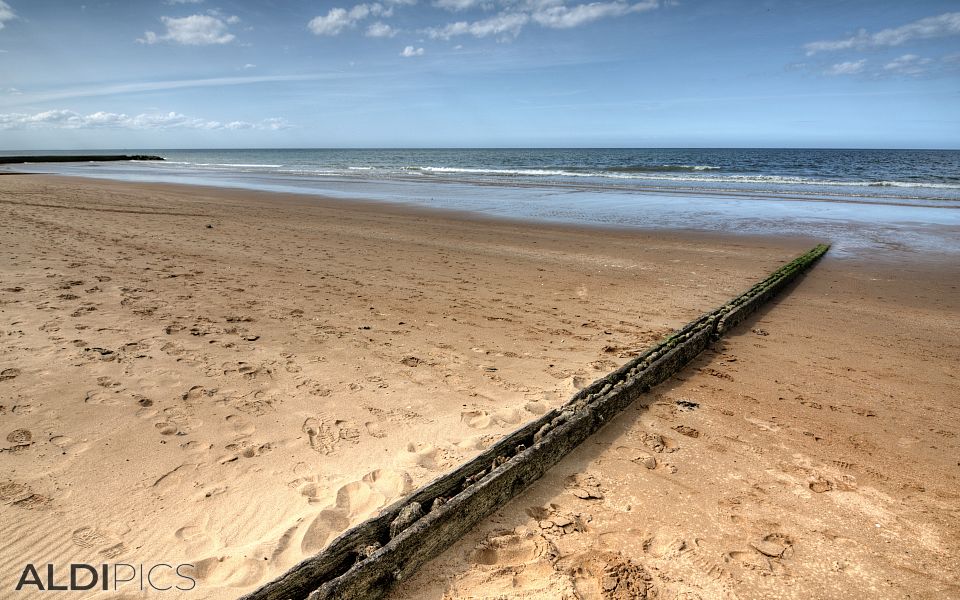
[(229, 379)]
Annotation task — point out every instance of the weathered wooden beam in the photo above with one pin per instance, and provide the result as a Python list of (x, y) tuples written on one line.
[(367, 560)]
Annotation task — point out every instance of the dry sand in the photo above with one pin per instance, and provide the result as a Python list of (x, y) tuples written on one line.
[(813, 453), (229, 379)]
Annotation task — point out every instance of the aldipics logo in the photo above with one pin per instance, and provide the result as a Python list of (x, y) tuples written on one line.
[(82, 577)]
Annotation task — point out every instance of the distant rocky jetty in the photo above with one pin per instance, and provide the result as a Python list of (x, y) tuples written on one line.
[(13, 160)]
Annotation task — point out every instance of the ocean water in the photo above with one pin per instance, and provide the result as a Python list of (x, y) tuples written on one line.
[(895, 200)]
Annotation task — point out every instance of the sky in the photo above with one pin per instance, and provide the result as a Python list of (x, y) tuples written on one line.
[(131, 74)]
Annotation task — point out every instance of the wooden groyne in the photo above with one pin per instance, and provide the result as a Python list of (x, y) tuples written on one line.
[(50, 158), (367, 560)]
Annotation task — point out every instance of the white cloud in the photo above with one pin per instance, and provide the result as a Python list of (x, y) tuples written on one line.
[(380, 30), (274, 123), (184, 1), (410, 51), (195, 30), (153, 86), (908, 64), (554, 14), (338, 19), (502, 24), (847, 68), (332, 24), (458, 5), (68, 119), (6, 13), (944, 25), (560, 16)]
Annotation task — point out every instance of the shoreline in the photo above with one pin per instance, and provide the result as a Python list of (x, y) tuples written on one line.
[(852, 236), (293, 198), (6, 159), (257, 386)]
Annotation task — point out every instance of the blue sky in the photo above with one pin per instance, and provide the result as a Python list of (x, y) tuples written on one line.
[(441, 73)]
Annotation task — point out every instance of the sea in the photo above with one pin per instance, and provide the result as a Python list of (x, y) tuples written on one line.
[(863, 201)]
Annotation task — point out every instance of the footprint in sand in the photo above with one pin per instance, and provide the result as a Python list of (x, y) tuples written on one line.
[(172, 349), (475, 442), (20, 495), (176, 478), (166, 428), (20, 437), (321, 435), (7, 374), (512, 562), (68, 445), (240, 424), (481, 419), (637, 456), (311, 488), (476, 419), (324, 527), (536, 407), (99, 354), (105, 397), (512, 549), (355, 501), (196, 393), (610, 576), (245, 449), (325, 434), (659, 443), (660, 546), (765, 555), (347, 431), (374, 429), (820, 485), (193, 536), (509, 416), (686, 430), (107, 545), (246, 370), (195, 447), (418, 455), (228, 571)]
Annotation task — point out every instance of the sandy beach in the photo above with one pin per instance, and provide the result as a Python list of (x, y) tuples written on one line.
[(231, 378)]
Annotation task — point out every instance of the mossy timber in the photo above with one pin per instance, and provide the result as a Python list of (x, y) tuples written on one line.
[(365, 561)]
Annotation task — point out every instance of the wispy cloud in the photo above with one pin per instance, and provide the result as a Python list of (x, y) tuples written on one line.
[(847, 68), (553, 14), (6, 13), (565, 17), (380, 30), (338, 19), (68, 119), (501, 24), (947, 24), (458, 5), (908, 64), (410, 52), (195, 30), (153, 86)]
